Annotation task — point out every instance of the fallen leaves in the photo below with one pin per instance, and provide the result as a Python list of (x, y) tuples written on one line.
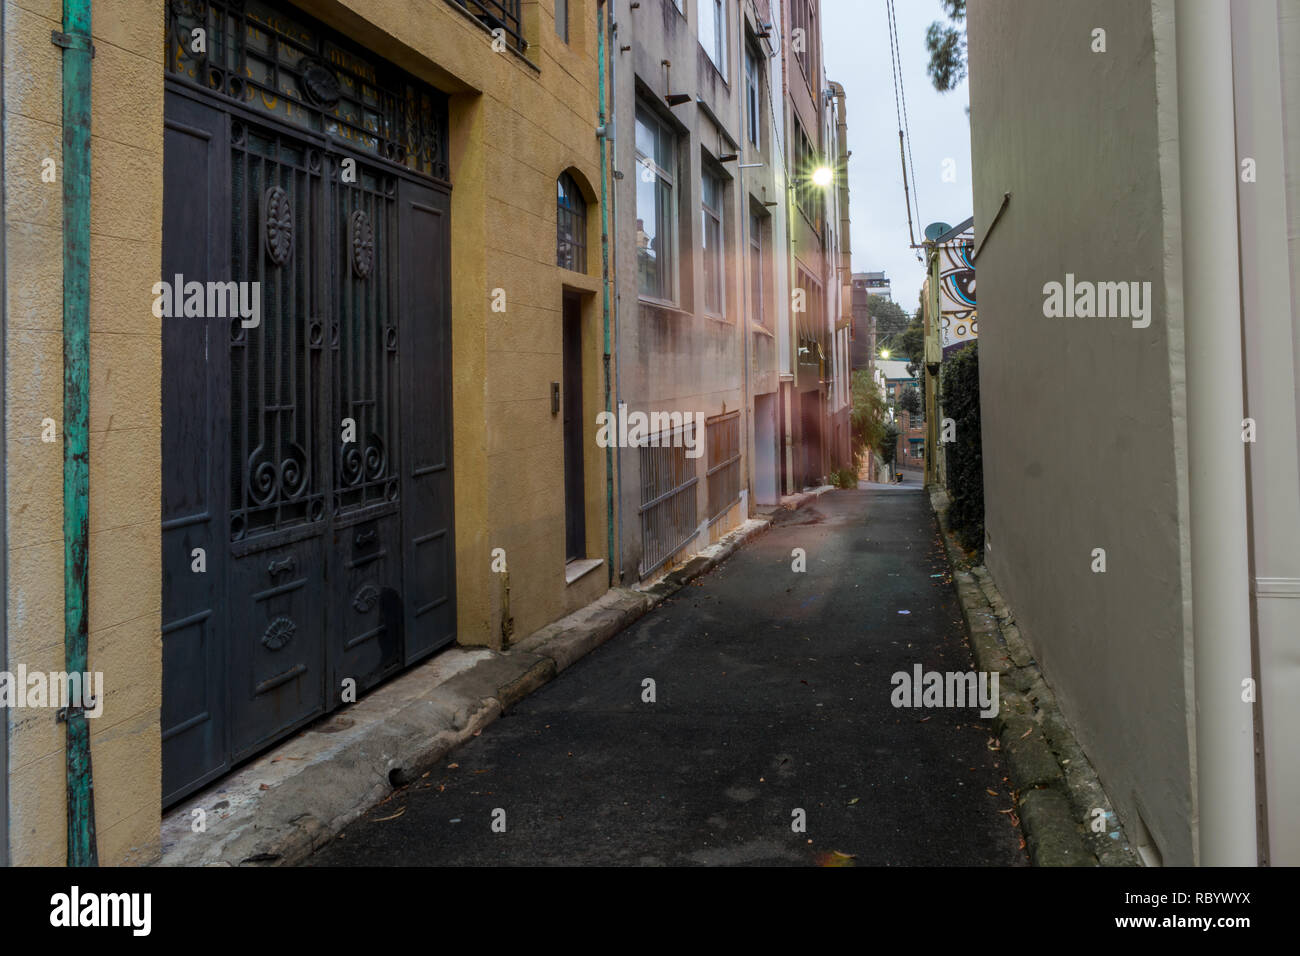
[(393, 817), (836, 858)]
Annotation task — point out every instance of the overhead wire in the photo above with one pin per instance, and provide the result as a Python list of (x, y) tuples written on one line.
[(900, 110)]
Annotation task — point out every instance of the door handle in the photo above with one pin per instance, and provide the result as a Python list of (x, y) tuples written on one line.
[(284, 564), (364, 538)]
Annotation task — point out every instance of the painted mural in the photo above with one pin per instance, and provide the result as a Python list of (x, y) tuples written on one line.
[(958, 318)]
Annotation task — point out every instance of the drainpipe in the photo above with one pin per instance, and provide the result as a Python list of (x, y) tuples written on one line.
[(742, 184), (1221, 625), (846, 250), (4, 536), (75, 41), (604, 273), (612, 122)]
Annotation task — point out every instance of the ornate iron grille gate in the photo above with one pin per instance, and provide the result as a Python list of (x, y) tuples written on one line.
[(307, 498)]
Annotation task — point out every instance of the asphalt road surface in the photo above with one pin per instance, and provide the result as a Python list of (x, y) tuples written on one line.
[(772, 695)]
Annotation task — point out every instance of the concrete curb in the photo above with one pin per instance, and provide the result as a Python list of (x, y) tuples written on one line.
[(1058, 791), (286, 804)]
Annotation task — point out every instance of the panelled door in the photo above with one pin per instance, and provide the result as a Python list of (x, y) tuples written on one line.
[(307, 492)]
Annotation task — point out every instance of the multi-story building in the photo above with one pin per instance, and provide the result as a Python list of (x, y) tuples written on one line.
[(765, 203), (896, 379), (839, 282), (950, 324), (864, 326), (813, 260), (875, 283), (684, 76), (729, 316), (343, 430)]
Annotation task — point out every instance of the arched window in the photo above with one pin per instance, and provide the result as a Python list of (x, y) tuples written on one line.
[(570, 225)]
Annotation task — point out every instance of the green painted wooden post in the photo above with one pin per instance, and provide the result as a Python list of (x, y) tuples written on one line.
[(76, 413), (605, 279)]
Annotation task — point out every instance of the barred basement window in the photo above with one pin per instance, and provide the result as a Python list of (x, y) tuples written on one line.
[(570, 225), (668, 506), (723, 435)]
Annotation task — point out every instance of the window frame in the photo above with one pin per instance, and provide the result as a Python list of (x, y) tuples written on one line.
[(803, 16), (757, 257), (753, 97), (562, 18), (717, 251), (666, 198), (718, 55), (577, 216)]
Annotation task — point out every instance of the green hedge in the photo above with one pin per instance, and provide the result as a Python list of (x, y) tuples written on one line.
[(961, 403)]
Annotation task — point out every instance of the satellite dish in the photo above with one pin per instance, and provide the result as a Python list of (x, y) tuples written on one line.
[(935, 230)]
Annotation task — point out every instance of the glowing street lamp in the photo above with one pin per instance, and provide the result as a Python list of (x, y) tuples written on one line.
[(823, 176), (884, 353)]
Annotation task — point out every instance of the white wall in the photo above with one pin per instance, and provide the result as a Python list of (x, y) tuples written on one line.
[(1083, 419)]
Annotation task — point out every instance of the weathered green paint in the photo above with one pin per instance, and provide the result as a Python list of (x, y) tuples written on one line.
[(76, 414), (605, 279)]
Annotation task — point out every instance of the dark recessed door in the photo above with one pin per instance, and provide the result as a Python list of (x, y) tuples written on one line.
[(428, 533), (575, 522)]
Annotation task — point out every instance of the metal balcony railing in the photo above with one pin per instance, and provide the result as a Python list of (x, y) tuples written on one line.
[(497, 14)]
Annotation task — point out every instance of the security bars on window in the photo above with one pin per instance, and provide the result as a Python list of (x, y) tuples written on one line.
[(723, 435), (668, 507)]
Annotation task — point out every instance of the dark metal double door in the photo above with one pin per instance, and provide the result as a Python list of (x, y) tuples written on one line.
[(307, 487)]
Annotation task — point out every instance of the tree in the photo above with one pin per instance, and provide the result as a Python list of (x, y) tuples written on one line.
[(947, 46), (888, 446), (867, 420), (887, 314), (961, 403), (909, 343), (910, 401)]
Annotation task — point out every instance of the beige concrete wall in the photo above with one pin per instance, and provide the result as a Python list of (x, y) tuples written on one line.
[(679, 358), (125, 576), (1083, 419)]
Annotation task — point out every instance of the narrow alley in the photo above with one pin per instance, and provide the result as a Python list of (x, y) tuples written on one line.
[(772, 694)]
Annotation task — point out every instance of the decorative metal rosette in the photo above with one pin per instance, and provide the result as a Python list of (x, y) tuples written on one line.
[(320, 83), (366, 599), (363, 243), (278, 633), (277, 221)]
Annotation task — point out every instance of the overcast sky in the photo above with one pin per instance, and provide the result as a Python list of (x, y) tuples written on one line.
[(855, 37)]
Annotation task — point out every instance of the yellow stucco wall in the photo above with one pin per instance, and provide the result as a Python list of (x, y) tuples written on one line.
[(515, 126), (124, 598)]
